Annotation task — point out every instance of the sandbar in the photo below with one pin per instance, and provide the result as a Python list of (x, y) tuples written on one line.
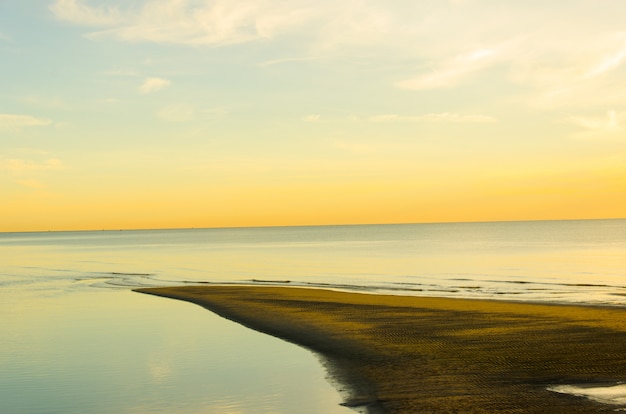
[(407, 354)]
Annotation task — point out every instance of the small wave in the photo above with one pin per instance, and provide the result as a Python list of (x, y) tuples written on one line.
[(270, 281), (613, 394)]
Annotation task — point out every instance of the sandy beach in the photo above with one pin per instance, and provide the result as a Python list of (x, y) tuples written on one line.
[(398, 354)]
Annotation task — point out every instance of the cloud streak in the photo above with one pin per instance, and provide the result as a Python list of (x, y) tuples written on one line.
[(18, 166), (151, 85), (311, 118), (610, 61), (77, 12), (452, 72), (609, 126), (444, 117), (13, 121)]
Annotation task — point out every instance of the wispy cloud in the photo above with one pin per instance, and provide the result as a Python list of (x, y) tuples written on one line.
[(452, 72), (580, 72), (28, 173), (311, 118), (19, 166), (444, 117), (150, 85), (77, 12), (560, 65), (13, 121), (610, 60), (550, 62), (216, 22), (607, 126)]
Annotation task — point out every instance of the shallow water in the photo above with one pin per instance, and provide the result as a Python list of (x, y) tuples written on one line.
[(556, 261), (116, 351), (76, 339)]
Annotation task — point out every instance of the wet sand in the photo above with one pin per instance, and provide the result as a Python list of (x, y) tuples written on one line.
[(397, 354)]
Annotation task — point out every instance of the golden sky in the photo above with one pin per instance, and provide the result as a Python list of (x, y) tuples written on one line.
[(204, 113)]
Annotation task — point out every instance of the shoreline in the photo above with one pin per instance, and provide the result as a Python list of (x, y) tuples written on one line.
[(399, 354)]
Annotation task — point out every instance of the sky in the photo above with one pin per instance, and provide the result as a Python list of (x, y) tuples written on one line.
[(118, 114)]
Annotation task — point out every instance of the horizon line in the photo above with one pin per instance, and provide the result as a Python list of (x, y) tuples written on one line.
[(311, 225)]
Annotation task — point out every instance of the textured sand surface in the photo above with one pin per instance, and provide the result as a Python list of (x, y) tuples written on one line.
[(434, 355)]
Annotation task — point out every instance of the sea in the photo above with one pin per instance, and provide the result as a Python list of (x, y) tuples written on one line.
[(75, 338)]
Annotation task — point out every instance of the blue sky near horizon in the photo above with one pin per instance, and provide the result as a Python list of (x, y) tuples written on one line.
[(198, 113)]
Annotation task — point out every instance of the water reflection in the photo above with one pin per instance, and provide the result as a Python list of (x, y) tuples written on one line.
[(104, 351), (68, 347)]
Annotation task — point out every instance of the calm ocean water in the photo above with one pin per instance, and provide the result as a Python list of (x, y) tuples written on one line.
[(76, 339)]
